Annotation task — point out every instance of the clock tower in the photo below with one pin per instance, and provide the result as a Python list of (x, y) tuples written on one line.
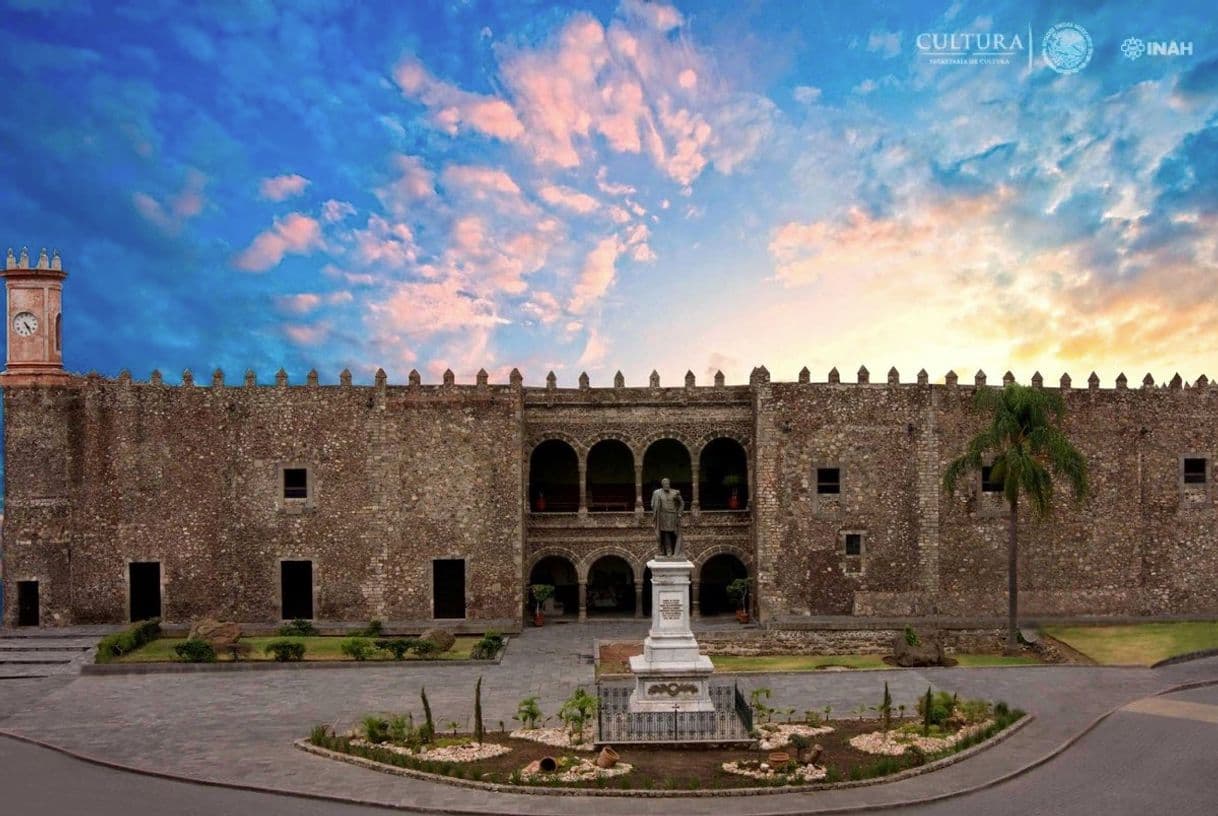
[(35, 330)]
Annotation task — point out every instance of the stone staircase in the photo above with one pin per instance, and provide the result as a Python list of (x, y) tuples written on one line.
[(39, 653)]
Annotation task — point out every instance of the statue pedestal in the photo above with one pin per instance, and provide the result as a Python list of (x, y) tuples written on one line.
[(671, 675)]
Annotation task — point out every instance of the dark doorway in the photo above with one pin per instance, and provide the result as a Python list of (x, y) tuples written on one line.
[(27, 603), (448, 587), (144, 586), (559, 573), (553, 478), (611, 587), (296, 589), (716, 574), (667, 459)]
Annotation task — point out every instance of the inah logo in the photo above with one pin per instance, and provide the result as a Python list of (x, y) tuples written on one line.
[(1067, 48), (1135, 47)]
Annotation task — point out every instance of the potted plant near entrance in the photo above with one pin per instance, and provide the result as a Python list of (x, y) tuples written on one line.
[(732, 483), (738, 591), (541, 593)]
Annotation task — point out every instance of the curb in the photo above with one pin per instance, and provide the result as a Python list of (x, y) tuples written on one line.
[(100, 669), (463, 812), (1185, 658), (637, 793)]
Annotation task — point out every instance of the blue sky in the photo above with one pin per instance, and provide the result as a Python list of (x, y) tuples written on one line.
[(605, 186)]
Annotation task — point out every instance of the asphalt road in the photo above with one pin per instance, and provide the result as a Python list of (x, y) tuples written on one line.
[(1133, 763)]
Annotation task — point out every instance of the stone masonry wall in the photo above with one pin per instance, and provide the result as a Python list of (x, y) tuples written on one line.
[(107, 472)]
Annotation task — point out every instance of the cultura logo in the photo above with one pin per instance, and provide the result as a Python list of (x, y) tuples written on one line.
[(1133, 48), (1067, 48)]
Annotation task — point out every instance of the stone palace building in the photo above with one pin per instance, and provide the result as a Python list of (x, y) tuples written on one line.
[(411, 502)]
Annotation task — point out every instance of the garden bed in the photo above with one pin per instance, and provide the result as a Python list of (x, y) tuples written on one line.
[(656, 769), (323, 648)]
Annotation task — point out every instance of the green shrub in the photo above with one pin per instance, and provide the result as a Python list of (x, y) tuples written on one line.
[(479, 731), (398, 647), (356, 648), (911, 637), (195, 650), (575, 712), (1001, 709), (429, 725), (298, 628), (936, 708), (320, 735), (974, 711), (374, 629), (528, 712), (128, 640), (286, 651), (375, 728), (487, 646), (425, 648)]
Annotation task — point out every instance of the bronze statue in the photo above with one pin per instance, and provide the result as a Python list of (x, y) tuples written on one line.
[(667, 505)]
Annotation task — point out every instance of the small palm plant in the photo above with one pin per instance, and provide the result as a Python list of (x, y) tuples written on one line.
[(1028, 449)]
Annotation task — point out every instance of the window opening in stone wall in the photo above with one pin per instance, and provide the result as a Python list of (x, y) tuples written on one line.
[(144, 586), (716, 574), (296, 589), (1194, 471), (553, 478), (828, 481), (295, 483), (667, 459), (854, 544), (448, 587), (723, 475), (610, 477), (559, 573), (988, 483)]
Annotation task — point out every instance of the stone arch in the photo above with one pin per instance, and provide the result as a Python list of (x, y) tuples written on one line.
[(610, 585), (585, 563), (722, 433), (723, 475), (667, 456), (716, 569), (560, 569), (545, 436), (609, 476), (554, 473)]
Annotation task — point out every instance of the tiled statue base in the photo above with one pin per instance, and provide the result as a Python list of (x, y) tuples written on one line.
[(671, 674)]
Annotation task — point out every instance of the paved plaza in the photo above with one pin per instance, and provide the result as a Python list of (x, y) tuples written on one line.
[(237, 728)]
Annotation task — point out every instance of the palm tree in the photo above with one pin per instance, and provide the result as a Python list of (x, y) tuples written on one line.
[(1027, 449)]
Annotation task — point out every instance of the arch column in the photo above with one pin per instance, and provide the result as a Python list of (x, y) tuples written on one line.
[(694, 508), (638, 597), (638, 485), (583, 484), (583, 600), (695, 601)]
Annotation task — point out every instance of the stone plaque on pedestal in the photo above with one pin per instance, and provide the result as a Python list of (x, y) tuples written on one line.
[(671, 674)]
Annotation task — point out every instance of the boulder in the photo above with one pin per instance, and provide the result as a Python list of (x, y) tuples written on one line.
[(215, 632), (928, 651), (443, 638)]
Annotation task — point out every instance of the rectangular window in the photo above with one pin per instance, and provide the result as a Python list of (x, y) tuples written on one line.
[(828, 480), (296, 589), (448, 587), (295, 483), (1194, 471), (854, 543), (988, 483), (144, 586)]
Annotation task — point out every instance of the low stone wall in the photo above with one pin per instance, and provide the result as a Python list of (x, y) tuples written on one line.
[(839, 641)]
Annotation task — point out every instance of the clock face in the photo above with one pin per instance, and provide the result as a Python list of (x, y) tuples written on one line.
[(25, 324)]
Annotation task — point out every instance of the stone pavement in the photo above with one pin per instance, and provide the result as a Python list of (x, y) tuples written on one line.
[(238, 727)]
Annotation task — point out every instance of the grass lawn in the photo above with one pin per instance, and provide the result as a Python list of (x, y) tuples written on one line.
[(316, 648), (1138, 644)]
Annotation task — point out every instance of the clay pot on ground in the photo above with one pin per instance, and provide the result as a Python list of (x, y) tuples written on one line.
[(538, 618), (742, 615), (608, 758), (733, 500), (779, 758), (547, 764)]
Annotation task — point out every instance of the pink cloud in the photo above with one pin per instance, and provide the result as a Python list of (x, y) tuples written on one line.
[(180, 207), (596, 276), (334, 211), (451, 108), (430, 307), (306, 335), (298, 304), (480, 180), (414, 183), (568, 198), (296, 233), (384, 242), (279, 188), (659, 16)]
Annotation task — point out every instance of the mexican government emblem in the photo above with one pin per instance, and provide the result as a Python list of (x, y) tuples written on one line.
[(1067, 48)]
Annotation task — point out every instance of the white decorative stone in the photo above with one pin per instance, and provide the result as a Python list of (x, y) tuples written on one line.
[(671, 674)]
